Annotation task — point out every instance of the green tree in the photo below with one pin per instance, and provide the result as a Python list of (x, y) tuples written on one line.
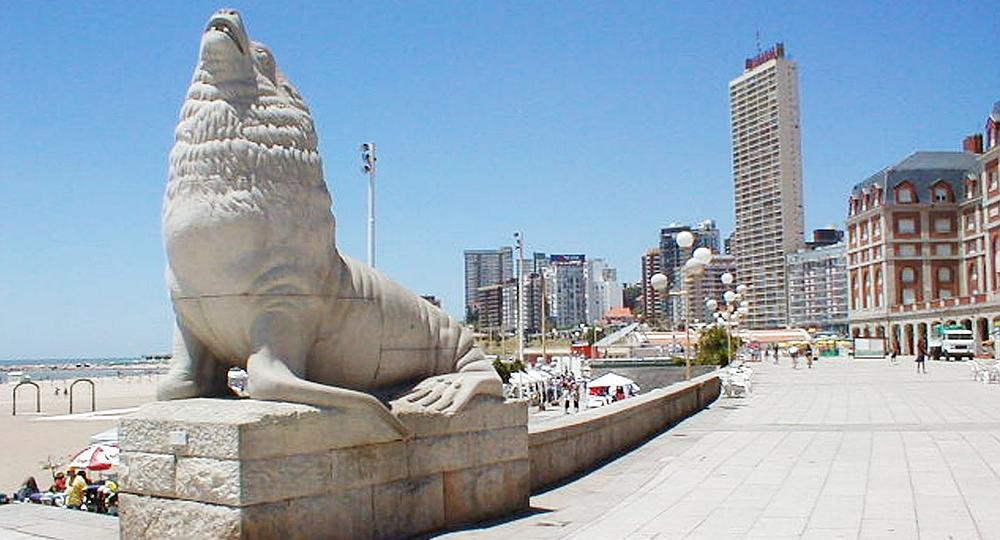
[(630, 296), (712, 349), (472, 318), (506, 369), (503, 370), (593, 335)]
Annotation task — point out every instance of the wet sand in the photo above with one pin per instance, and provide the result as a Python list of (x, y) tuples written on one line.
[(31, 440)]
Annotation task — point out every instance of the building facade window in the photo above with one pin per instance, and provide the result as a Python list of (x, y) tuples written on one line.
[(906, 250), (909, 296), (878, 288), (905, 193), (944, 274), (942, 225), (907, 275), (996, 262), (943, 250), (864, 289), (942, 193), (854, 290), (906, 225)]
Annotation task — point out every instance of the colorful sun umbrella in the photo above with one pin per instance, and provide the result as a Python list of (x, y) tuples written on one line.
[(96, 457)]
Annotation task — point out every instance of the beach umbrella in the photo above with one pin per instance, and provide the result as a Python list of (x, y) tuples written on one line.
[(96, 457)]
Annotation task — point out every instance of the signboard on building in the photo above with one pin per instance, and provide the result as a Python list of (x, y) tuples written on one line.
[(567, 258)]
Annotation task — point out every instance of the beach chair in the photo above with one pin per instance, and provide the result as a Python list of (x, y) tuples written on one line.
[(985, 371), (735, 383), (993, 373)]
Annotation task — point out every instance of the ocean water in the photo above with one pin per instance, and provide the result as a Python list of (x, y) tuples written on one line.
[(122, 361), (44, 369)]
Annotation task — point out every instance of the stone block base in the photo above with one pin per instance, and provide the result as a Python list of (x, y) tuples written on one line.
[(205, 468)]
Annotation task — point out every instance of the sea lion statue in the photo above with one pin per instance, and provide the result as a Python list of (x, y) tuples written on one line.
[(252, 268)]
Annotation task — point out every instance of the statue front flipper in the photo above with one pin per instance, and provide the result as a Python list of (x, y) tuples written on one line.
[(193, 372), (452, 392)]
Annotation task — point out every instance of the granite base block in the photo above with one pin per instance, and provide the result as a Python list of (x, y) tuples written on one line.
[(243, 469)]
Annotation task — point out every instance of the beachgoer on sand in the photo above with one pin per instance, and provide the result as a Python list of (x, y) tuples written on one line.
[(76, 490)]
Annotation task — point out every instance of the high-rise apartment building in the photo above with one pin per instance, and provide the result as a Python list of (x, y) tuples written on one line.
[(673, 257), (533, 289), (566, 289), (704, 286), (651, 299), (603, 290), (817, 285), (489, 308), (496, 307), (484, 267), (767, 173)]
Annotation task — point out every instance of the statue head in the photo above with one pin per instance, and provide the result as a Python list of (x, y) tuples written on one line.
[(245, 157), (225, 42), (243, 121)]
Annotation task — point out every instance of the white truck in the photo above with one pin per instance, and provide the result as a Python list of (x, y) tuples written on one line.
[(950, 342)]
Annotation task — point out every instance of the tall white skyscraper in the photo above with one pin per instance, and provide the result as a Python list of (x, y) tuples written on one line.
[(767, 173), (603, 290)]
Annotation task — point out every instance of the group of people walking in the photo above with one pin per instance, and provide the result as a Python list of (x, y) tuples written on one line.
[(795, 353)]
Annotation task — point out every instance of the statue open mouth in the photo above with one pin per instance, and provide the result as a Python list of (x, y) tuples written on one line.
[(227, 27)]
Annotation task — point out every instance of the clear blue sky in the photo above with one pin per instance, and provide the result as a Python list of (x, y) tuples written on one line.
[(586, 126)]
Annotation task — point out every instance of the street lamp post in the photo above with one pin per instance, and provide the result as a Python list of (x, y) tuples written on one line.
[(519, 240), (692, 267), (736, 308), (687, 335), (368, 160)]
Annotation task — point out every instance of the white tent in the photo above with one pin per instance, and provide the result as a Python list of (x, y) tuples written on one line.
[(611, 379)]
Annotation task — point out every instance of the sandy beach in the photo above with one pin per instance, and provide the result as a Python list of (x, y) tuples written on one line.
[(31, 440)]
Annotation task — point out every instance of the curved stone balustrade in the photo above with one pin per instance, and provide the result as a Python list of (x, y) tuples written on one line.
[(568, 446)]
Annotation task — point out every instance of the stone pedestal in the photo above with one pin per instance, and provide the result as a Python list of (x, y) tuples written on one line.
[(211, 468)]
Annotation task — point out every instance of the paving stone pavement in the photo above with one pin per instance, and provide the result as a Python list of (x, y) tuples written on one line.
[(848, 449), (35, 521)]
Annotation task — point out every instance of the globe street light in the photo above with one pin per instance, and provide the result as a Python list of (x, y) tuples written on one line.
[(737, 308), (684, 239), (703, 255), (693, 265), (659, 282)]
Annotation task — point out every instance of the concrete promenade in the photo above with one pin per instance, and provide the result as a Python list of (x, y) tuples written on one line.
[(848, 449)]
